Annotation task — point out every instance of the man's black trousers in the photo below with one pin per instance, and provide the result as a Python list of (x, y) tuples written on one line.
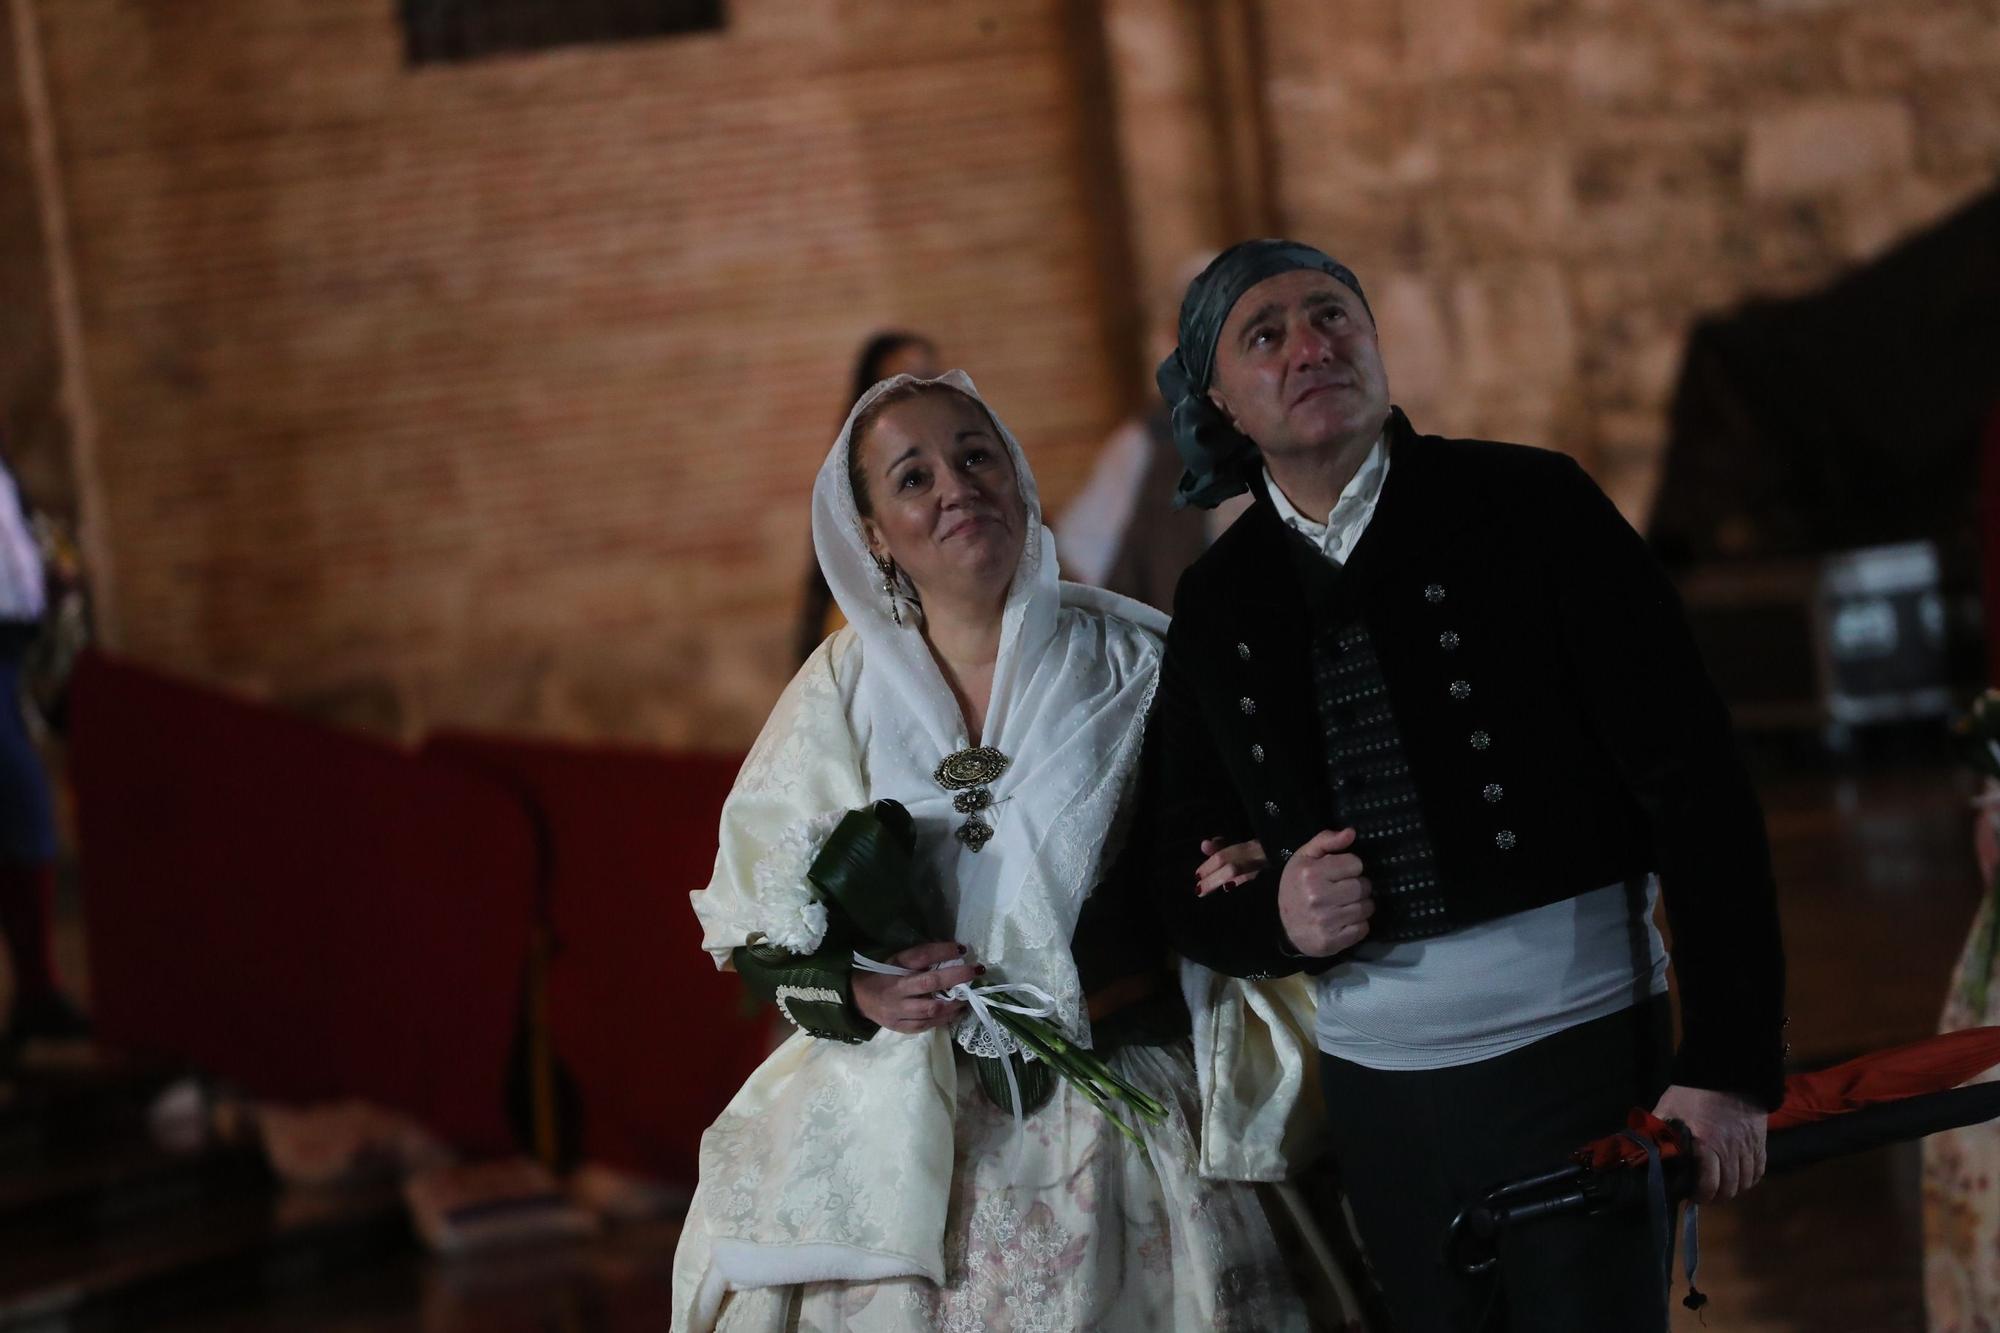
[(1415, 1146)]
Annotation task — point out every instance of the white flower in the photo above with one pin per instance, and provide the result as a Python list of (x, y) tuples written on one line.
[(791, 916), (800, 930)]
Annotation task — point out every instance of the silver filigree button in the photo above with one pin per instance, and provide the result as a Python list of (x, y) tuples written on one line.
[(1271, 809), (1247, 704), (1448, 640), (1504, 840), (1434, 593), (1481, 740), (1284, 853), (1461, 689), (1243, 651), (1257, 753), (1492, 791)]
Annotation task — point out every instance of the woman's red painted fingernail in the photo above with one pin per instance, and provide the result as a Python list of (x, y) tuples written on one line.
[(961, 950), (979, 971)]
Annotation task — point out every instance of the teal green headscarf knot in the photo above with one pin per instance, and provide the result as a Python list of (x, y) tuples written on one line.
[(1220, 459)]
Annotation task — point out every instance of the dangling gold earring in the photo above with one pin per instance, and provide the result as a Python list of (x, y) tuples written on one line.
[(888, 571)]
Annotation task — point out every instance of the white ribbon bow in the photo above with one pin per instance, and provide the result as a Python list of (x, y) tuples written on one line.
[(981, 1004)]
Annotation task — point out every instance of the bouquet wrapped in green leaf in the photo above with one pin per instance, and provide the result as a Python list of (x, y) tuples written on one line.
[(1977, 736), (865, 876)]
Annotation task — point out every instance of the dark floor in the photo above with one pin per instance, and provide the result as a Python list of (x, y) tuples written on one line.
[(1877, 883), (1877, 886), (620, 1283)]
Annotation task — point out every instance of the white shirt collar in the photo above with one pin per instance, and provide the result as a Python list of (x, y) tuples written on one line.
[(1343, 526)]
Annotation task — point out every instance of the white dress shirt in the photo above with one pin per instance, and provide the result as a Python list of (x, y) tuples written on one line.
[(1343, 526)]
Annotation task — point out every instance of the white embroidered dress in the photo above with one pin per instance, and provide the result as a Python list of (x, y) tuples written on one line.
[(868, 1186)]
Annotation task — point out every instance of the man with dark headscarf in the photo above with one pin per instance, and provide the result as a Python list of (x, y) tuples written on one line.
[(1446, 687)]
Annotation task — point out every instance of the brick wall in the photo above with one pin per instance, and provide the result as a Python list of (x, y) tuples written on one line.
[(492, 394), (31, 425), (1544, 194)]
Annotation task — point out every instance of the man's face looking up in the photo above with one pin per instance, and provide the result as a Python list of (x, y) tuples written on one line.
[(1297, 368)]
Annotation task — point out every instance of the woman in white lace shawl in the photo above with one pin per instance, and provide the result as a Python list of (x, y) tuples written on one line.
[(871, 1184)]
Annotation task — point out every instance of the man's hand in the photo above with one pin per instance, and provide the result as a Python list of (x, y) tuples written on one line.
[(1323, 901), (1729, 1138)]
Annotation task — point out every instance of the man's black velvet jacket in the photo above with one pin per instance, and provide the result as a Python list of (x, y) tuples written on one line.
[(1528, 640)]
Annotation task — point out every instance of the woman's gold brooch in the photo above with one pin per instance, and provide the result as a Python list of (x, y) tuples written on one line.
[(968, 774)]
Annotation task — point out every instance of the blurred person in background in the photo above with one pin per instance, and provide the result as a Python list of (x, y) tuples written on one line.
[(1962, 1166), (1125, 530), (27, 826), (884, 356)]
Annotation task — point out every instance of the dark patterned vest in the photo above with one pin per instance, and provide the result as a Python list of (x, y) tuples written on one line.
[(1367, 771)]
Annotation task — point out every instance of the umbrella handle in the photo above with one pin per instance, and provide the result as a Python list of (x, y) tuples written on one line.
[(1562, 1175), (1471, 1245)]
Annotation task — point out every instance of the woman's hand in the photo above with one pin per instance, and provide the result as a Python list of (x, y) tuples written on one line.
[(1226, 867), (911, 1004)]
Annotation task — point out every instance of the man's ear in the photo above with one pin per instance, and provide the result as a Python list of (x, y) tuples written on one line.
[(1222, 406)]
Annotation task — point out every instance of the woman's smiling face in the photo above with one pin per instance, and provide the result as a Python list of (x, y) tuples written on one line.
[(939, 496)]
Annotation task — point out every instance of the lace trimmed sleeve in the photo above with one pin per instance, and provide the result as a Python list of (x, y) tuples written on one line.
[(803, 773)]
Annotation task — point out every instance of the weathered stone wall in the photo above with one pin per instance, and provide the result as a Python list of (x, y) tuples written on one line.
[(1544, 194)]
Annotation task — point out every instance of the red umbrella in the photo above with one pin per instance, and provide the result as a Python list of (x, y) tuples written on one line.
[(1931, 1065), (1882, 1097)]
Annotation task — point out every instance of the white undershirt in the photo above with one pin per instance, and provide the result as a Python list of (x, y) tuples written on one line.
[(1487, 989), (1492, 988)]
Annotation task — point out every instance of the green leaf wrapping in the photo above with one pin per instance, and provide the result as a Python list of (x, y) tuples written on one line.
[(1036, 1079), (863, 874), (766, 969)]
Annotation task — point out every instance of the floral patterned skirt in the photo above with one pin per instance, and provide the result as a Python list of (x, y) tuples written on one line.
[(1962, 1178), (1097, 1234)]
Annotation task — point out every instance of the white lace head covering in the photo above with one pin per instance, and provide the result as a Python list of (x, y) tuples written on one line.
[(1071, 689)]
